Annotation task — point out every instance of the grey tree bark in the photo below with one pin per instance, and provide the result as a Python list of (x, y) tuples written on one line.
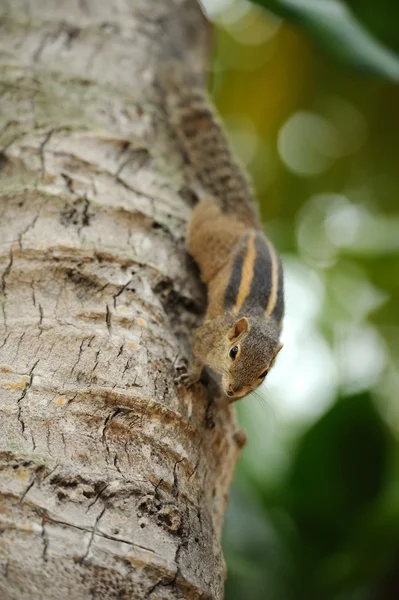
[(113, 481)]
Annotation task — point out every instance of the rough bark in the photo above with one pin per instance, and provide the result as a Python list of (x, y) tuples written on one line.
[(113, 481)]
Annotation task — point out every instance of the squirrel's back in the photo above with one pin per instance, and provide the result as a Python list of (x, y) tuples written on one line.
[(205, 143), (255, 285)]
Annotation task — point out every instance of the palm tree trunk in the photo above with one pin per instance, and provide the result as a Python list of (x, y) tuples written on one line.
[(113, 481)]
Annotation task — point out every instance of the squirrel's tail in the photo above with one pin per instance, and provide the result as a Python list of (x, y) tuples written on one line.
[(204, 141)]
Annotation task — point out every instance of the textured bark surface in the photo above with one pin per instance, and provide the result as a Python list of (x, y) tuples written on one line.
[(113, 482)]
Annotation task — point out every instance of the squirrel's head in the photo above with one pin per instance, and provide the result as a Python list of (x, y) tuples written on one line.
[(251, 347)]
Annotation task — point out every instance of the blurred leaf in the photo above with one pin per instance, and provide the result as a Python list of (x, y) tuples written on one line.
[(338, 472), (257, 554), (333, 25), (314, 512), (377, 17)]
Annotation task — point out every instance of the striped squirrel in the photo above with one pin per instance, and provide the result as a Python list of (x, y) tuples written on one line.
[(239, 337)]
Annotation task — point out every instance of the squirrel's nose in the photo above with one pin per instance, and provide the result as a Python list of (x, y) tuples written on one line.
[(230, 392)]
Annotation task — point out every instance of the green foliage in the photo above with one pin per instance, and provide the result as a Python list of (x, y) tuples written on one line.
[(314, 511), (335, 27), (322, 529), (338, 469), (337, 477)]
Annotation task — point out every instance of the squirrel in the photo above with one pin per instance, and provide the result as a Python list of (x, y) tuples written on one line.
[(239, 338)]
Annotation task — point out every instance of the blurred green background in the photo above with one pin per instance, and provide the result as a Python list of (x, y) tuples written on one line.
[(311, 103)]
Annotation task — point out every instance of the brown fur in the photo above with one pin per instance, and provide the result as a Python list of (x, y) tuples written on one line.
[(213, 239), (237, 263), (201, 134)]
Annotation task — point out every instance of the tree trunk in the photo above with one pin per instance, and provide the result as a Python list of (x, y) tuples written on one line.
[(113, 481)]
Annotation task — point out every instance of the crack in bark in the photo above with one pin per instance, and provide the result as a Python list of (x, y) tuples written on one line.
[(20, 342), (50, 473), (63, 441), (6, 339), (45, 540), (93, 531), (162, 583), (139, 192), (33, 293), (104, 535), (108, 319), (116, 465), (24, 231), (141, 155), (70, 400), (24, 493), (28, 385), (98, 495), (6, 273), (125, 368), (51, 131), (85, 213), (43, 145), (166, 583), (69, 183), (48, 438), (197, 461), (37, 472), (120, 291), (117, 539), (122, 166), (40, 315), (95, 361), (79, 355), (106, 423), (40, 48), (175, 487), (3, 312)]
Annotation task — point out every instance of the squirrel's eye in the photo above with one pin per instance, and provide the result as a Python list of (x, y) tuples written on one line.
[(233, 352), (263, 375)]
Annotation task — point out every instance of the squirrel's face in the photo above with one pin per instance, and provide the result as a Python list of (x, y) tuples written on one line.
[(251, 349)]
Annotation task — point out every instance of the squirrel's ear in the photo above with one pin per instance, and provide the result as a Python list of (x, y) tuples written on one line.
[(239, 327)]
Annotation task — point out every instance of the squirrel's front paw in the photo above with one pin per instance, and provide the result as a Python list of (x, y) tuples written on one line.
[(190, 376), (187, 379)]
